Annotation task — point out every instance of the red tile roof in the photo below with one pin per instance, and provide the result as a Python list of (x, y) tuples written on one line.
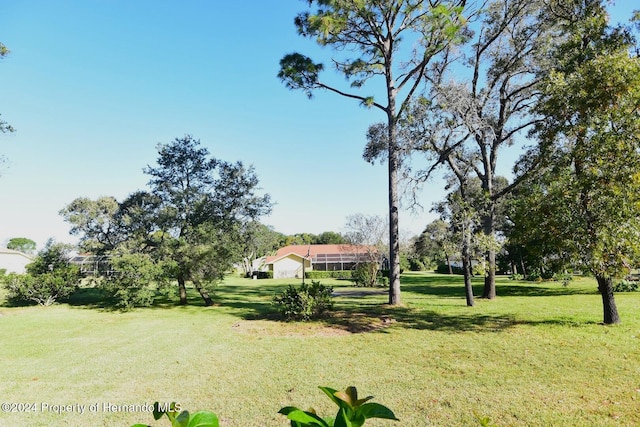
[(304, 251)]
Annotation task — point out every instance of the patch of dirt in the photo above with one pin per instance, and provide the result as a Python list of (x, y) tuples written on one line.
[(339, 324)]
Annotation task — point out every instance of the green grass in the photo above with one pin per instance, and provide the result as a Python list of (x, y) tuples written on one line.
[(537, 355)]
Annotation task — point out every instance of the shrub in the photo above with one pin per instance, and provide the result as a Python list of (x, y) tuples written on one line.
[(135, 281), (365, 274), (43, 289), (626, 286), (516, 276), (49, 277), (305, 303)]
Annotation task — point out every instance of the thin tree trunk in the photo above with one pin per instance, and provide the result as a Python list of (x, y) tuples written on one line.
[(203, 293), (466, 267), (394, 229), (448, 263), (605, 286), (182, 290)]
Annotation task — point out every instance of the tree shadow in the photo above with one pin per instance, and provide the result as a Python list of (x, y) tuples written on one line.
[(452, 286)]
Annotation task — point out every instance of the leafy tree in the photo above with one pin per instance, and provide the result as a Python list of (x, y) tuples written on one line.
[(374, 32), (22, 244), (587, 198), (257, 240), (330, 238), (367, 234), (436, 242), (203, 203), (95, 221)]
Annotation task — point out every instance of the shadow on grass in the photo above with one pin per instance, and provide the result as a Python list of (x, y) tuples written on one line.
[(452, 286)]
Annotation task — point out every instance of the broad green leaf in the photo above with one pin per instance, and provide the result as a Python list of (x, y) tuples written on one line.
[(203, 419), (342, 420), (331, 393), (157, 413), (306, 418), (182, 420), (140, 425), (376, 410)]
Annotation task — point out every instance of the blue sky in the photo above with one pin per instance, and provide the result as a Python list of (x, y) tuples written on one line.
[(93, 86)]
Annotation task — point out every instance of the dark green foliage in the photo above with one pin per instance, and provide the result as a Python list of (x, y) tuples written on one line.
[(135, 282), (49, 277), (44, 289), (444, 269), (22, 244), (626, 286), (365, 275), (307, 302), (261, 274), (352, 412)]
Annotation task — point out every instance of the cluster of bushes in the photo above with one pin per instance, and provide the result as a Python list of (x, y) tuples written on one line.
[(49, 278), (626, 286), (307, 302)]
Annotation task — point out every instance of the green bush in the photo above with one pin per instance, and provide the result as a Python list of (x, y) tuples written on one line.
[(305, 303), (50, 277), (135, 282), (516, 276), (626, 286), (43, 289), (366, 274)]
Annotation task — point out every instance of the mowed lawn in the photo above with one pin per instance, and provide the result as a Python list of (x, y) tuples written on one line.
[(537, 355)]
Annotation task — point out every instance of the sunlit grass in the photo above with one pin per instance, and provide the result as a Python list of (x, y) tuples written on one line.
[(537, 355)]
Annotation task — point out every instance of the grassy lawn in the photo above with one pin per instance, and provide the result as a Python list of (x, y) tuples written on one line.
[(535, 356)]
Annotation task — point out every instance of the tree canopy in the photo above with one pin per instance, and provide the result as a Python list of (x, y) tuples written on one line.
[(585, 201)]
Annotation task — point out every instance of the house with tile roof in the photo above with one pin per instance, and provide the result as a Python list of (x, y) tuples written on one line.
[(294, 260), (14, 261)]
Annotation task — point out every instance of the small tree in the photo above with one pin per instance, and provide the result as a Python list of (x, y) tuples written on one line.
[(22, 244), (366, 234)]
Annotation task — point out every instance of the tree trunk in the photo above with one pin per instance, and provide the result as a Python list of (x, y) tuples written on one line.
[(605, 286), (394, 229), (466, 267), (203, 293), (182, 290), (446, 255), (489, 291), (490, 279)]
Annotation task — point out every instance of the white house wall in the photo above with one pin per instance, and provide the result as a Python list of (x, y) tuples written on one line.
[(288, 267), (14, 262)]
